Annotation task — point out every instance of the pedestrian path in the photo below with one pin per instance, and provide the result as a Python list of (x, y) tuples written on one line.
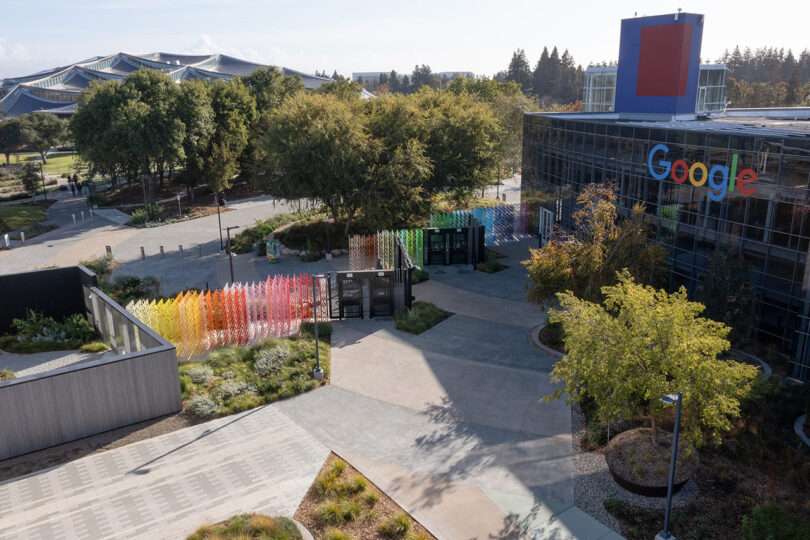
[(164, 488)]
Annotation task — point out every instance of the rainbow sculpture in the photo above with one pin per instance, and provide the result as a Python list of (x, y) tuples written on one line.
[(502, 223), (239, 314), (379, 250)]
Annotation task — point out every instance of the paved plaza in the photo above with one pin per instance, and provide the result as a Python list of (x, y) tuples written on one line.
[(451, 423)]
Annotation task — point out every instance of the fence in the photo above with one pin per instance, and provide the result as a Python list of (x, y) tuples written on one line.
[(503, 223), (380, 250), (239, 314), (93, 396)]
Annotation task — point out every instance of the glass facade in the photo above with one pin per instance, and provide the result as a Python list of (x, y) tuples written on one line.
[(771, 227)]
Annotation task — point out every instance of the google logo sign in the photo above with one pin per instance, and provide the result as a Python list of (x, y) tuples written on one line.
[(720, 179)]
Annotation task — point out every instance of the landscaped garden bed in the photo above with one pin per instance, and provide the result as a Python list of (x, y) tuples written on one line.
[(344, 505), (39, 333), (234, 379), (249, 527), (421, 317)]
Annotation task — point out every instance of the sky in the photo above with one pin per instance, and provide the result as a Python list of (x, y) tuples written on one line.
[(369, 35)]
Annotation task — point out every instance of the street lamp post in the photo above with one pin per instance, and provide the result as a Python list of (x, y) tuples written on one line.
[(677, 400), (317, 373), (229, 251), (219, 201)]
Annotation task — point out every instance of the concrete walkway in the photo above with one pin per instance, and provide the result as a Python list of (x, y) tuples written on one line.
[(166, 487)]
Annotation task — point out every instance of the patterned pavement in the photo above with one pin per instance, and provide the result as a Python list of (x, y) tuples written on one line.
[(168, 486)]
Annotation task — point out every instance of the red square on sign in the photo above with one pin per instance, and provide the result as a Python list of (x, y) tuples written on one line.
[(663, 64)]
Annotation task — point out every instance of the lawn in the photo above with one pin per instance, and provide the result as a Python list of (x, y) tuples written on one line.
[(21, 216), (234, 379), (58, 164)]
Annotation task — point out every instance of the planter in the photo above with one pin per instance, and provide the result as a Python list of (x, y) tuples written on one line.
[(764, 368), (640, 467), (534, 337), (305, 534)]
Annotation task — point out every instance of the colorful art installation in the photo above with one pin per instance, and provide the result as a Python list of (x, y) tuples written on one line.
[(239, 314), (502, 223), (379, 250)]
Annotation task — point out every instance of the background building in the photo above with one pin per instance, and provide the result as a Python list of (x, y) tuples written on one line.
[(735, 182), (57, 90)]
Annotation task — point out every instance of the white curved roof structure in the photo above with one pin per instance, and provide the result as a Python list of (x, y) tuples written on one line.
[(57, 90)]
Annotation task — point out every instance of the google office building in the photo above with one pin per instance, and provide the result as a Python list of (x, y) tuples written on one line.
[(729, 179)]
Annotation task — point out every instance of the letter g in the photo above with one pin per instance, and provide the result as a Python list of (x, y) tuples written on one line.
[(667, 165)]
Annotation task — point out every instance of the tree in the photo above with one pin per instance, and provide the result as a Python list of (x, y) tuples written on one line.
[(342, 89), (29, 178), (462, 141), (234, 113), (44, 131), (11, 137), (728, 293), (641, 344), (423, 76), (519, 71), (270, 87), (604, 246), (195, 111), (316, 148)]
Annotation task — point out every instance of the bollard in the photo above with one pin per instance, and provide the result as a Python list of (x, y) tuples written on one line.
[(162, 253), (74, 218), (109, 251), (91, 212), (143, 253), (7, 240), (200, 246), (22, 237), (181, 249), (82, 216)]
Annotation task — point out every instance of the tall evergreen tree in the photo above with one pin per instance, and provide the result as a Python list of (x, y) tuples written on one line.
[(519, 71)]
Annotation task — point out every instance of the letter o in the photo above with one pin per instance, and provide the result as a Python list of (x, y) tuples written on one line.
[(703, 176), (679, 164)]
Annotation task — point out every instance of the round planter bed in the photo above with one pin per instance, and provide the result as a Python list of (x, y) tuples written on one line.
[(534, 337), (764, 368), (642, 467)]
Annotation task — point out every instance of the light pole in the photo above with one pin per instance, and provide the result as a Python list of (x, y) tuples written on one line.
[(677, 400), (317, 373), (219, 200), (230, 253)]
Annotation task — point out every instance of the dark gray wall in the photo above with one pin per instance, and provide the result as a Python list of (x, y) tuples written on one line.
[(67, 404), (56, 292)]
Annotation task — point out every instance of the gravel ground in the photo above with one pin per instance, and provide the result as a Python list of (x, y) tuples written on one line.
[(594, 484)]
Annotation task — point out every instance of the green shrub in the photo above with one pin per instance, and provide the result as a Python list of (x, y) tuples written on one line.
[(140, 216), (336, 534), (395, 527), (419, 275), (772, 522), (200, 374), (270, 361), (202, 406), (7, 375), (125, 289), (247, 526), (39, 328), (422, 316), (256, 235), (94, 347), (370, 499), (337, 512), (101, 266)]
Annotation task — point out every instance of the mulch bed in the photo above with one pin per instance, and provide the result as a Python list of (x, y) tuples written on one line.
[(364, 528)]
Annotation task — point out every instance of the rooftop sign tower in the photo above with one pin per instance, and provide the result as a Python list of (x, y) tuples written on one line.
[(659, 63)]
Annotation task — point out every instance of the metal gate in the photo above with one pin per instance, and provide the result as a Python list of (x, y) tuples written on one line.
[(437, 247), (459, 247), (350, 296), (381, 292)]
